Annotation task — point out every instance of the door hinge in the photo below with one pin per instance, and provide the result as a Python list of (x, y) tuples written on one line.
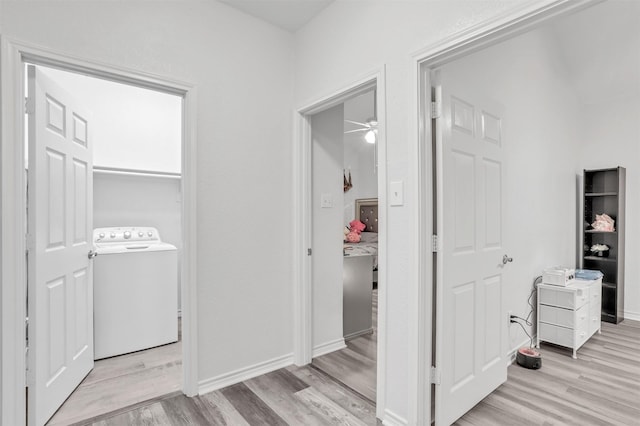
[(434, 376), (309, 252), (29, 106), (436, 109), (27, 375), (435, 244)]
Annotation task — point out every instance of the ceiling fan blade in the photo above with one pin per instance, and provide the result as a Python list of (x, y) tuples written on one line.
[(357, 130), (358, 123)]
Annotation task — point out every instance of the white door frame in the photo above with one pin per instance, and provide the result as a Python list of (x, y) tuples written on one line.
[(13, 206), (506, 26), (303, 303)]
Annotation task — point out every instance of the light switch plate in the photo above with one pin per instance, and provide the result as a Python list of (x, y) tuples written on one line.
[(396, 195), (326, 201)]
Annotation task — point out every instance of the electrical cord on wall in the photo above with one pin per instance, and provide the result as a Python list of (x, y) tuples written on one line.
[(516, 319)]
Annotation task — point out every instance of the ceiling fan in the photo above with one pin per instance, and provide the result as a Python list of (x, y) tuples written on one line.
[(370, 127)]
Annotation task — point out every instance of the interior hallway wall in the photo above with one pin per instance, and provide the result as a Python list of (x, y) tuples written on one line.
[(611, 131), (388, 34), (242, 71), (327, 159)]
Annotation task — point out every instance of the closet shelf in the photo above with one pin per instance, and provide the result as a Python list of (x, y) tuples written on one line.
[(133, 172), (593, 231), (600, 194)]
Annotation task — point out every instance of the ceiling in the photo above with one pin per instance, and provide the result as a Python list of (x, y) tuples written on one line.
[(289, 15)]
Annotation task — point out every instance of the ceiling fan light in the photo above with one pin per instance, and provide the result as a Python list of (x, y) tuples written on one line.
[(370, 136)]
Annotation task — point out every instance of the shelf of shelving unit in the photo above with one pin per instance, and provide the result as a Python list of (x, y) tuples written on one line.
[(601, 259), (604, 192), (600, 194)]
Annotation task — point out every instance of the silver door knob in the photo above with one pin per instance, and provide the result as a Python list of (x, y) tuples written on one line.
[(506, 259), (92, 254)]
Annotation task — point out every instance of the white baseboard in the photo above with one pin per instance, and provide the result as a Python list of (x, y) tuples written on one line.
[(358, 334), (511, 356), (392, 419), (242, 374), (634, 316), (328, 347)]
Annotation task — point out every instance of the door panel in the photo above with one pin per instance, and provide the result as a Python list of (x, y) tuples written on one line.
[(470, 325), (60, 220)]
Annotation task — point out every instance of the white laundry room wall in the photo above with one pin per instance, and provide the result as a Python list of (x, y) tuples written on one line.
[(135, 130)]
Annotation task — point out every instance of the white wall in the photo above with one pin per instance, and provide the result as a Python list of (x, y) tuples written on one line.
[(327, 159), (131, 128), (241, 68), (346, 41), (121, 200), (359, 156), (611, 131)]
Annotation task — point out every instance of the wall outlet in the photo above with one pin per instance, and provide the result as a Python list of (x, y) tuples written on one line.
[(326, 201), (509, 313)]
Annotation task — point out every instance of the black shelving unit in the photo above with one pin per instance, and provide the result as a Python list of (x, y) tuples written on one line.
[(604, 192)]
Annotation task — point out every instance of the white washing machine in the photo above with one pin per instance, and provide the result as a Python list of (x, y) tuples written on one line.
[(135, 296)]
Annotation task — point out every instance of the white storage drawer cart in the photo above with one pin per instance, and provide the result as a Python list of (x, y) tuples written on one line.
[(569, 315)]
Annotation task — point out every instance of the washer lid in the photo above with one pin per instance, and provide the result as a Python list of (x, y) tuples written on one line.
[(134, 248)]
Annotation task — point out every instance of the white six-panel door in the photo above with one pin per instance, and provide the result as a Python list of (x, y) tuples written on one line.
[(60, 283), (471, 323)]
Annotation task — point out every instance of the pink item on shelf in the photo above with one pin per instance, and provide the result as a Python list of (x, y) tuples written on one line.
[(603, 223), (353, 237), (357, 226)]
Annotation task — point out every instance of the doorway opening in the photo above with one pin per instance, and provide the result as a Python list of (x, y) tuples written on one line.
[(345, 265), (123, 310), (328, 199)]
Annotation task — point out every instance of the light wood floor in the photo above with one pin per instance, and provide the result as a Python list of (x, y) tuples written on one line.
[(355, 366), (601, 387), (122, 381), (293, 396)]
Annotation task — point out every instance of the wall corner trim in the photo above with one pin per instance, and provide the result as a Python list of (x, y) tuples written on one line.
[(392, 419), (242, 374), (328, 347)]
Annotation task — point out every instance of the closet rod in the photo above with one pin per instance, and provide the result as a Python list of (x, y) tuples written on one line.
[(131, 172)]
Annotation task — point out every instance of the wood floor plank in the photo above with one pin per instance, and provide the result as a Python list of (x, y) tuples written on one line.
[(218, 408), (352, 369), (251, 407), (277, 390), (333, 413), (184, 412), (346, 398)]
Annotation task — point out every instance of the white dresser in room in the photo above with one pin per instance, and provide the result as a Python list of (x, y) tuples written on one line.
[(569, 316)]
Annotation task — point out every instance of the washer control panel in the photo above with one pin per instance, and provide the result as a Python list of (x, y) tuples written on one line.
[(125, 235)]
